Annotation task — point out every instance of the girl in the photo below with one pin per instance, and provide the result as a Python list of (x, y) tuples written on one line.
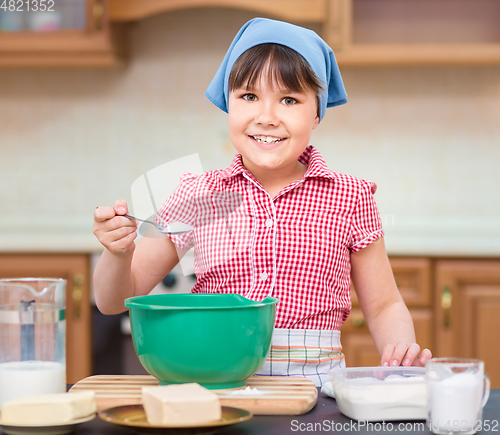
[(292, 228)]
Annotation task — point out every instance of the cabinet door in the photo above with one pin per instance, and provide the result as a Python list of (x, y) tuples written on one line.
[(357, 342), (75, 269), (413, 278), (467, 312)]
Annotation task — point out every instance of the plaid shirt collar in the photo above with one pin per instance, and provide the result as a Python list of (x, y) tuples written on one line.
[(316, 166)]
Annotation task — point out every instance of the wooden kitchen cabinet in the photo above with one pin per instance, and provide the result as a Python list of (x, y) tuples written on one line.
[(75, 269), (357, 342), (417, 32), (99, 44), (467, 312), (413, 277), (370, 32), (361, 32), (455, 306)]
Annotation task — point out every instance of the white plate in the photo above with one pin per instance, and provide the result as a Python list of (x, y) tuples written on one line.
[(53, 429)]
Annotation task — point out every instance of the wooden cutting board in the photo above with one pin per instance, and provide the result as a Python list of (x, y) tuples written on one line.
[(282, 395)]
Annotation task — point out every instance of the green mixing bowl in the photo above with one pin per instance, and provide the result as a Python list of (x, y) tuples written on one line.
[(216, 340)]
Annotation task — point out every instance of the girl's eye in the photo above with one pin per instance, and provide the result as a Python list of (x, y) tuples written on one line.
[(250, 97), (288, 101)]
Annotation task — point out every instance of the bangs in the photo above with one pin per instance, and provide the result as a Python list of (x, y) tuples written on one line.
[(281, 65)]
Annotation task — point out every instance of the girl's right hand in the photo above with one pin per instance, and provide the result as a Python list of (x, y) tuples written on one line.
[(115, 232)]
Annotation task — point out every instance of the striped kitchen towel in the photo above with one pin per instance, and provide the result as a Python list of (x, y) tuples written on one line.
[(303, 352)]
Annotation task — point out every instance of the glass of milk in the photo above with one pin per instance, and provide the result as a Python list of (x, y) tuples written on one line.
[(32, 337), (457, 390)]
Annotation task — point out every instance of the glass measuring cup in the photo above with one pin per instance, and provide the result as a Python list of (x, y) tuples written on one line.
[(32, 337)]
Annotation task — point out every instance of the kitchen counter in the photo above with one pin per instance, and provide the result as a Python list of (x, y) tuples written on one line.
[(53, 234), (457, 237), (324, 417)]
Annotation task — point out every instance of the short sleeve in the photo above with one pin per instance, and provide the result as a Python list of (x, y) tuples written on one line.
[(181, 206), (366, 222)]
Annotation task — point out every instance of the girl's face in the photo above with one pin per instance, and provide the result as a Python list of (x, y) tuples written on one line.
[(271, 127)]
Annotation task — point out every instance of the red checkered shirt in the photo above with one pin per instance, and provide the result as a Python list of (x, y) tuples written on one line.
[(295, 246)]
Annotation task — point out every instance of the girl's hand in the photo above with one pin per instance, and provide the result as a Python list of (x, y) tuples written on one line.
[(404, 355), (116, 233)]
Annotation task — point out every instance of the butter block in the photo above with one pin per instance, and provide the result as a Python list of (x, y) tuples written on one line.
[(47, 409), (182, 405)]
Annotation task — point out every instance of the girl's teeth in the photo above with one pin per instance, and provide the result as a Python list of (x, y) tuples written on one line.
[(266, 139)]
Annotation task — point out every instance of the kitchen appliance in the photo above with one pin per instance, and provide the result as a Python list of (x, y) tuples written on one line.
[(32, 337)]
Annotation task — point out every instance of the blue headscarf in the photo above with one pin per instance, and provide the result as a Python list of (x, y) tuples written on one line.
[(304, 41)]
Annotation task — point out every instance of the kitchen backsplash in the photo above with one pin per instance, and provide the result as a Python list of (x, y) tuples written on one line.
[(71, 140)]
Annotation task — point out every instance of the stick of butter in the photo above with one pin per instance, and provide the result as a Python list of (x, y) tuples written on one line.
[(47, 409), (183, 404)]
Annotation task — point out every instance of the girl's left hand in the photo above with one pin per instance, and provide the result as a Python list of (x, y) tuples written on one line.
[(404, 355)]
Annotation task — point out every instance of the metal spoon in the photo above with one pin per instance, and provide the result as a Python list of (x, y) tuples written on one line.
[(173, 228)]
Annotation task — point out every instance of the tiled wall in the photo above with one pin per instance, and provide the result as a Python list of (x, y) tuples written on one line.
[(71, 140)]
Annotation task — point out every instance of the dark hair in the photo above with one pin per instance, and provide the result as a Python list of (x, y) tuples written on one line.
[(286, 68)]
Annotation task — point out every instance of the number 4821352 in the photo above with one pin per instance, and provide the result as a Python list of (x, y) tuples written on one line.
[(27, 5)]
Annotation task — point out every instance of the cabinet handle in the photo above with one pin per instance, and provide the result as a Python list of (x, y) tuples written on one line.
[(98, 12), (77, 295), (446, 299)]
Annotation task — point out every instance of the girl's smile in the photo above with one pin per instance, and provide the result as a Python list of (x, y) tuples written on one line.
[(270, 140), (270, 127), (267, 142)]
